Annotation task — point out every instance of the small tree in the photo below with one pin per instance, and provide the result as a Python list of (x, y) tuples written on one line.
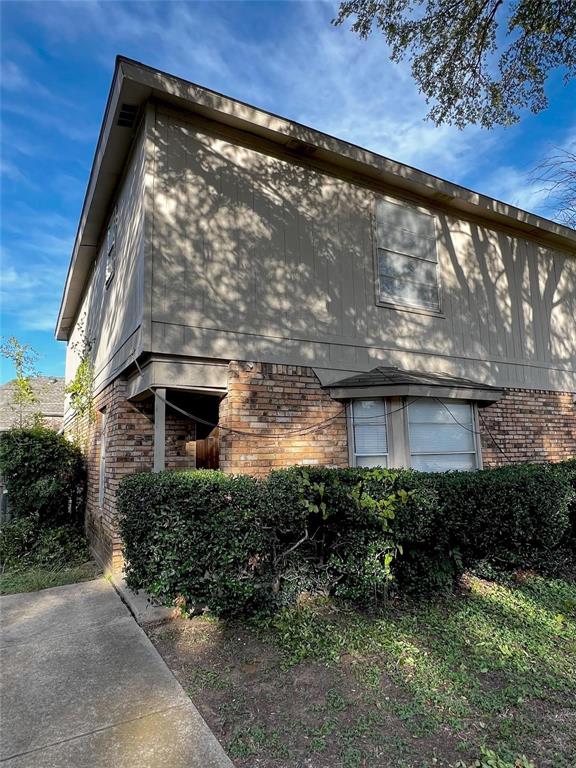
[(24, 358)]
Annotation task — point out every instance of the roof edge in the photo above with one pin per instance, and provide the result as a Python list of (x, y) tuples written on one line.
[(143, 81)]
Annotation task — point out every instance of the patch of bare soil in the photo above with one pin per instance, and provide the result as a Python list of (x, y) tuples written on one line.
[(349, 715)]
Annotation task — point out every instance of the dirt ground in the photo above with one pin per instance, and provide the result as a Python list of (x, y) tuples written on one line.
[(310, 715)]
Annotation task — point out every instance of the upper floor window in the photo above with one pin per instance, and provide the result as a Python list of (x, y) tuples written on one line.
[(407, 262), (110, 245)]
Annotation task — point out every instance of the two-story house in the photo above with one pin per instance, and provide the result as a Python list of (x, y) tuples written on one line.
[(257, 294)]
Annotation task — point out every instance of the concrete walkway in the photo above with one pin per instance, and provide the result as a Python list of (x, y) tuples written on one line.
[(83, 687)]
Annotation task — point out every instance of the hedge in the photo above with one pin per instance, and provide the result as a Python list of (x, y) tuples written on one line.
[(44, 474), (235, 544)]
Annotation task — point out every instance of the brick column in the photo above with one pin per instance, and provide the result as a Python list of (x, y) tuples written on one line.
[(129, 449)]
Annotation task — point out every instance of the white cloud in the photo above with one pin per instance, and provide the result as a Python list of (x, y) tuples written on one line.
[(13, 78), (525, 187), (312, 72), (30, 293), (35, 253)]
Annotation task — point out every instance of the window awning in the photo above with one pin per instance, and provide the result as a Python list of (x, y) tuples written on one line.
[(395, 382)]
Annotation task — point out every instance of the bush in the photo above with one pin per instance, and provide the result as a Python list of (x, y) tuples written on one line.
[(25, 544), (17, 540), (569, 466), (239, 545), (511, 517), (197, 536), (44, 474)]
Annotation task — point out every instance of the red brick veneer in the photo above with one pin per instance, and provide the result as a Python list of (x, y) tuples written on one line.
[(280, 398), (529, 425), (129, 449)]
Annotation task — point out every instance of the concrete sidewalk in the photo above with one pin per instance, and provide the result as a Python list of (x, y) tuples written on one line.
[(83, 687)]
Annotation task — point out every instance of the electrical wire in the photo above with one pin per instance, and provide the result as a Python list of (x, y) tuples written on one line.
[(476, 431), (319, 425), (278, 435)]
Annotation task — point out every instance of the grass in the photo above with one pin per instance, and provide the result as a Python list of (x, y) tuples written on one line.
[(489, 674), (36, 578)]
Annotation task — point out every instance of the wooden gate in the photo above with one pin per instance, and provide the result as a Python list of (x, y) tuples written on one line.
[(208, 451)]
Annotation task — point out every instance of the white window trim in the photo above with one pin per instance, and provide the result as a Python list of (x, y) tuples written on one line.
[(398, 435), (406, 307), (352, 434)]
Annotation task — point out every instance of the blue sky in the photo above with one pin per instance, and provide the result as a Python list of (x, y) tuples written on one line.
[(57, 62)]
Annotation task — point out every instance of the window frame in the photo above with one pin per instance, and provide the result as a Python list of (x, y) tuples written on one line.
[(399, 454), (377, 246), (110, 248), (352, 434), (474, 427)]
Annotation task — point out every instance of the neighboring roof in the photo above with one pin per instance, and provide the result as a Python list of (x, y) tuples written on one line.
[(134, 84), (50, 393), (389, 382)]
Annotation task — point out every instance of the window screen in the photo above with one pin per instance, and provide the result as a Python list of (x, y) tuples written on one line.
[(407, 262), (441, 435), (370, 433)]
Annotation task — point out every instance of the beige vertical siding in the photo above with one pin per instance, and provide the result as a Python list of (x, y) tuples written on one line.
[(111, 315), (255, 257)]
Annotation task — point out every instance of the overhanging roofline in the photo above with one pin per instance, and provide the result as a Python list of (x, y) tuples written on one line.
[(395, 382), (134, 83)]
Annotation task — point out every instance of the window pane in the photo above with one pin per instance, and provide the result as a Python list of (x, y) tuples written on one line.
[(433, 432), (407, 256), (400, 216), (431, 463), (371, 461), (412, 294), (403, 267), (436, 438), (369, 417), (432, 411)]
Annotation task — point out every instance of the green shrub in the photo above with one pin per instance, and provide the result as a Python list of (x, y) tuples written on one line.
[(25, 544), (238, 545), (60, 545), (17, 540), (569, 466), (197, 536), (44, 474), (511, 517)]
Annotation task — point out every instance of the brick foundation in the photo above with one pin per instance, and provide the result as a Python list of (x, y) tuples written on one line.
[(280, 398), (529, 425)]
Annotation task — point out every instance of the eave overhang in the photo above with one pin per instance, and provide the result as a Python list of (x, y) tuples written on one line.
[(135, 83), (395, 382)]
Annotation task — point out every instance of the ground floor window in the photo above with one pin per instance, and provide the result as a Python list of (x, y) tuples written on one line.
[(428, 434), (370, 433), (441, 435), (102, 460)]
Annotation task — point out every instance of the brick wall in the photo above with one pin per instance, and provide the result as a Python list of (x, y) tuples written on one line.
[(279, 398), (129, 449), (529, 425)]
